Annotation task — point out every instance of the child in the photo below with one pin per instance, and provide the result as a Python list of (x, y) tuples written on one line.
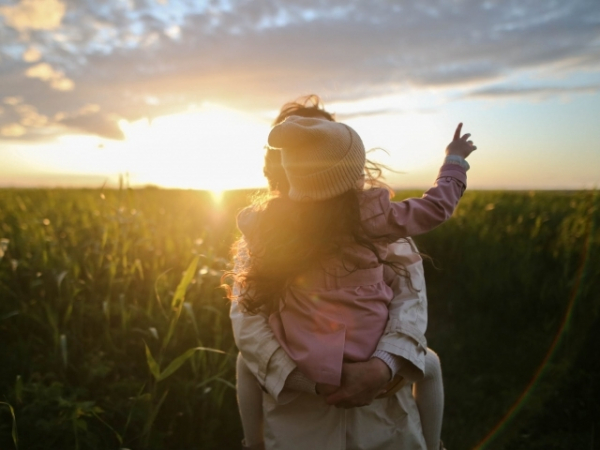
[(317, 257)]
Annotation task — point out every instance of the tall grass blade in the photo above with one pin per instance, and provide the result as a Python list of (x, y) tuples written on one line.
[(9, 315), (177, 302), (3, 246), (188, 276), (152, 364), (152, 418), (117, 435), (15, 436), (19, 389), (135, 399), (190, 312), (177, 362), (63, 350), (226, 383), (60, 277)]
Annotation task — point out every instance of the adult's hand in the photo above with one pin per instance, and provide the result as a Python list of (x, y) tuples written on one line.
[(361, 383)]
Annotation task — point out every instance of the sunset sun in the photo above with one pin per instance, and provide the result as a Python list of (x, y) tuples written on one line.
[(209, 147)]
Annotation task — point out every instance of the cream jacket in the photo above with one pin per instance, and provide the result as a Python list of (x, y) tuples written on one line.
[(297, 421)]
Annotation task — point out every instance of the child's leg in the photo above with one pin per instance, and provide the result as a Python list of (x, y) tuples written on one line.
[(429, 396), (249, 395)]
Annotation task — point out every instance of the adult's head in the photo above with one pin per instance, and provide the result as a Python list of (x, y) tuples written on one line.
[(306, 106)]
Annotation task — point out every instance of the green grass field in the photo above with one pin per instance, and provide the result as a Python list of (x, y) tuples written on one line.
[(115, 334)]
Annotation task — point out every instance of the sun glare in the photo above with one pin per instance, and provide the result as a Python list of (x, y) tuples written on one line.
[(217, 195), (209, 147)]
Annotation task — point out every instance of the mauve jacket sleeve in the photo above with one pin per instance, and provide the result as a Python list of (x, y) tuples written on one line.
[(416, 216)]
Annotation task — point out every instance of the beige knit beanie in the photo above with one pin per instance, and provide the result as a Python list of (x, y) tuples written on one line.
[(322, 159)]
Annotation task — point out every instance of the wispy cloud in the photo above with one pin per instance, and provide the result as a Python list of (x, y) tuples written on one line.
[(34, 14), (55, 78), (539, 92)]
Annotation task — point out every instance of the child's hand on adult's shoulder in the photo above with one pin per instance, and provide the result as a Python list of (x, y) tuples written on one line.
[(460, 145)]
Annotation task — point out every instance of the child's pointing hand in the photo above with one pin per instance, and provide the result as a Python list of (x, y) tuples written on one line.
[(460, 146)]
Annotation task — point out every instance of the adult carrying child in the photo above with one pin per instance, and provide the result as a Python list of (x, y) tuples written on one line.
[(316, 258)]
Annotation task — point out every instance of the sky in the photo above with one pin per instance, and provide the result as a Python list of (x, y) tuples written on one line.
[(181, 93)]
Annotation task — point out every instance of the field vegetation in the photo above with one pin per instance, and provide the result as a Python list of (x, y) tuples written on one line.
[(115, 334)]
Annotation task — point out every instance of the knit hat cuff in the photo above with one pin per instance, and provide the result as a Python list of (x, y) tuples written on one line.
[(328, 183)]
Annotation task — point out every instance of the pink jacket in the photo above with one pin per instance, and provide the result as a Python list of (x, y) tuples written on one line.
[(338, 312)]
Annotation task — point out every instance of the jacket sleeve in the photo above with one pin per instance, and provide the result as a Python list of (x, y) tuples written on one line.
[(404, 335), (415, 216), (261, 351)]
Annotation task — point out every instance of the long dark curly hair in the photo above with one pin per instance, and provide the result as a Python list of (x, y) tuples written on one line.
[(289, 237)]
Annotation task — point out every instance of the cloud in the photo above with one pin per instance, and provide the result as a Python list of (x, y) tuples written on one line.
[(12, 100), (34, 14), (56, 79), (12, 130), (148, 58), (542, 92), (103, 125), (32, 54), (30, 117)]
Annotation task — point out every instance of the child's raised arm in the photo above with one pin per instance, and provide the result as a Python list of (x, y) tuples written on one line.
[(414, 216)]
